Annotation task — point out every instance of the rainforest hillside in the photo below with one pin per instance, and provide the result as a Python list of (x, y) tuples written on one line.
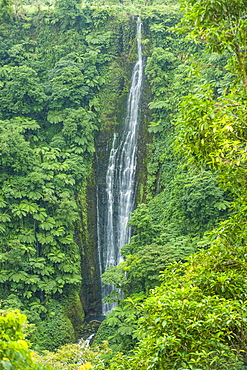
[(65, 74)]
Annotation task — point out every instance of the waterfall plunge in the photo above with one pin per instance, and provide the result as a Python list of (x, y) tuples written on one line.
[(113, 232)]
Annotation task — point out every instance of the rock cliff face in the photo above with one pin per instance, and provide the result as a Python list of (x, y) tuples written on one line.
[(113, 102)]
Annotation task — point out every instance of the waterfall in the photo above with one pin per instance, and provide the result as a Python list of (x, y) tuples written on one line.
[(113, 232)]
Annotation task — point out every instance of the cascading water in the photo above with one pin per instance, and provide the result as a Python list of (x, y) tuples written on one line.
[(113, 232)]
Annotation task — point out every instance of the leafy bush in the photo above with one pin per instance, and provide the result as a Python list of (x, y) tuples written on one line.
[(14, 349), (197, 318), (54, 330), (75, 356)]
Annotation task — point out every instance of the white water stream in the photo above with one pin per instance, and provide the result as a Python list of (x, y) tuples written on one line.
[(113, 232)]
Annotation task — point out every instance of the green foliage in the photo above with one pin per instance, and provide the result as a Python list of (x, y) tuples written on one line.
[(217, 134), (196, 319), (20, 91), (73, 310), (184, 202), (61, 72), (205, 295), (51, 323), (52, 68), (191, 202), (16, 153), (68, 12), (76, 356), (222, 25), (167, 229), (6, 10), (54, 330), (68, 86), (120, 325), (14, 349)]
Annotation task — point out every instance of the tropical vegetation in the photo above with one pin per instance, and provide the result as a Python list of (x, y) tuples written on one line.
[(180, 291)]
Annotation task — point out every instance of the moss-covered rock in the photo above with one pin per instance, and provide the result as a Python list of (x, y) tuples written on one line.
[(72, 308)]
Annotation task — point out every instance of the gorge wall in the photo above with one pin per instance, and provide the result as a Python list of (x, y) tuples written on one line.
[(113, 99)]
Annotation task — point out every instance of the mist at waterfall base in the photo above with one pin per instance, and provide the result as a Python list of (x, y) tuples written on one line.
[(112, 229)]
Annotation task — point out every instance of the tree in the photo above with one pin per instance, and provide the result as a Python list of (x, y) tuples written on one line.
[(20, 92), (212, 128), (37, 215), (222, 25), (6, 10), (68, 8), (196, 319), (68, 87), (16, 153)]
